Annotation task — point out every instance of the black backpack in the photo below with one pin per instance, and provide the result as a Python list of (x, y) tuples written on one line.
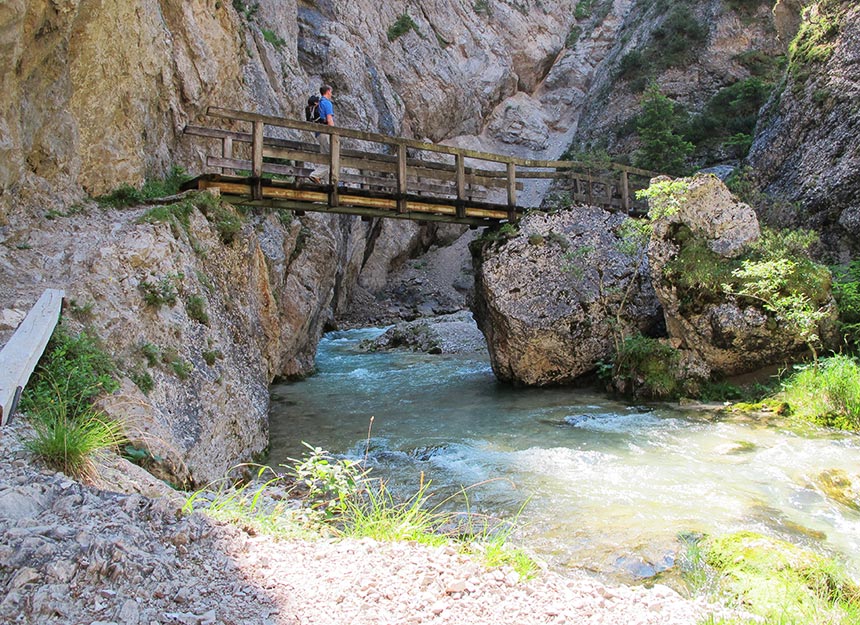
[(312, 110)]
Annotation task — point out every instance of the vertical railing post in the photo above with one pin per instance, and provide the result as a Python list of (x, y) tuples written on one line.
[(401, 177), (625, 192), (257, 162), (512, 192), (334, 171), (227, 152), (461, 186)]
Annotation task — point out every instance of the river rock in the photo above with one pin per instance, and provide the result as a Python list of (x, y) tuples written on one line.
[(839, 486), (553, 299), (729, 334), (444, 334)]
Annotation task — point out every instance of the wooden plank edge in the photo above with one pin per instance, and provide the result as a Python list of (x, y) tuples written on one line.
[(48, 305)]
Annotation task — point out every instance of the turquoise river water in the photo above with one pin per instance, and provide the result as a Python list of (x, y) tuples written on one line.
[(607, 486)]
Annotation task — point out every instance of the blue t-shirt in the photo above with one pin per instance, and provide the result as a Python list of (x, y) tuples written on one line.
[(326, 108)]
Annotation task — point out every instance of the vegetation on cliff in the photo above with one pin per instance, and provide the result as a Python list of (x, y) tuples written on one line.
[(59, 398)]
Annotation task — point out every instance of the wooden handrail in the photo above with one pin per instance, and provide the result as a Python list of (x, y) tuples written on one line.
[(398, 178), (373, 137)]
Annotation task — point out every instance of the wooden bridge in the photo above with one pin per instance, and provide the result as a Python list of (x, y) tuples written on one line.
[(375, 175)]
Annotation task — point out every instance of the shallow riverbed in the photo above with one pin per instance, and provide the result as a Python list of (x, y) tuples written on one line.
[(602, 485)]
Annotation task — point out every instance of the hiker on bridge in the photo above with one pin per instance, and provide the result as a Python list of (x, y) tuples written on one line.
[(320, 174)]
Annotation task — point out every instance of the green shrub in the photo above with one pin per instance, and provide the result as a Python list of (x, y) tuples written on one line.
[(632, 65), (195, 305), (222, 216), (76, 367), (401, 26), (647, 367), (760, 64), (846, 289), (481, 7), (273, 38), (211, 355), (143, 380), (730, 112), (828, 394), (182, 368), (151, 353), (573, 36), (164, 291), (582, 10), (677, 40), (246, 10)]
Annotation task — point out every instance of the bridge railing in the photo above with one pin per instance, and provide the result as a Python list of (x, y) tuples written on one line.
[(407, 167)]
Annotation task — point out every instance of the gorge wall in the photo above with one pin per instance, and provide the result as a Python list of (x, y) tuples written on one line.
[(95, 93)]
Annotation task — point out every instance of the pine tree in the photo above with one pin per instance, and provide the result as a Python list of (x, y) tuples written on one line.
[(663, 149)]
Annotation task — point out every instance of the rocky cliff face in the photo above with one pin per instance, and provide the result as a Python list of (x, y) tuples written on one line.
[(210, 324), (806, 151)]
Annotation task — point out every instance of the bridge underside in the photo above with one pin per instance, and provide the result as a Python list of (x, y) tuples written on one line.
[(304, 196)]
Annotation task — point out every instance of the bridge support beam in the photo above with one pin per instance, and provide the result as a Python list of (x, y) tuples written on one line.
[(401, 178), (512, 192), (257, 160), (334, 172)]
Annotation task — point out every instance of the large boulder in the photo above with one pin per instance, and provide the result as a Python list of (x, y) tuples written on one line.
[(692, 253), (553, 297)]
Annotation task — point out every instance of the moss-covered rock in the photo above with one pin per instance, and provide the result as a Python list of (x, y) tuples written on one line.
[(838, 486), (781, 581)]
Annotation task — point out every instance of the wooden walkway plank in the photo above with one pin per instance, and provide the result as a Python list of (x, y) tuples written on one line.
[(21, 354)]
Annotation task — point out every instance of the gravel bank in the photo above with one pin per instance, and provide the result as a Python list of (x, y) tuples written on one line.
[(71, 553)]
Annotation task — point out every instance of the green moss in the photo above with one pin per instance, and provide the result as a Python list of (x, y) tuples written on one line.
[(768, 405), (536, 239), (780, 581), (816, 39)]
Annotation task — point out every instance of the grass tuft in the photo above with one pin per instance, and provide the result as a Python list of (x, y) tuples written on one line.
[(828, 394), (71, 374)]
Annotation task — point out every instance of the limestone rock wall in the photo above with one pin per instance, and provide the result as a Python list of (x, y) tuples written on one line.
[(266, 298), (610, 106), (806, 151)]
